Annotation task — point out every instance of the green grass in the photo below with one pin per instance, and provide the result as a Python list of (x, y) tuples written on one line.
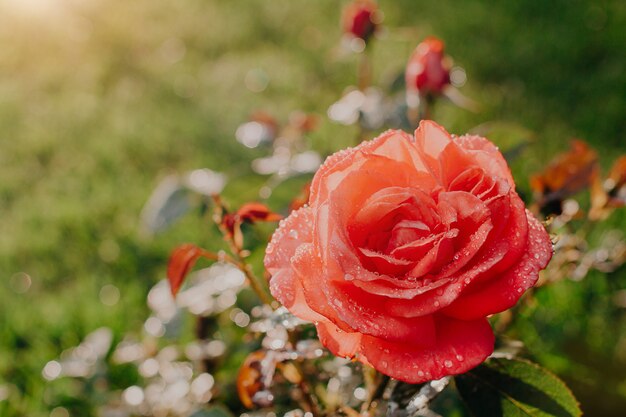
[(98, 101)]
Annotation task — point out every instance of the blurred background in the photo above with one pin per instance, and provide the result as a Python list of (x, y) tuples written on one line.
[(100, 99)]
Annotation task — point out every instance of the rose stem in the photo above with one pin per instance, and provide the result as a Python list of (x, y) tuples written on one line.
[(237, 251), (426, 103), (241, 263), (364, 77), (364, 70), (376, 394)]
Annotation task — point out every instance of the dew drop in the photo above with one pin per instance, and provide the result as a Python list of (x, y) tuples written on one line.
[(348, 277), (459, 358), (448, 364), (293, 234)]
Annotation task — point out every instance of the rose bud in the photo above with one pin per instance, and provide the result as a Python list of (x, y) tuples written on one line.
[(359, 19), (407, 245), (428, 69)]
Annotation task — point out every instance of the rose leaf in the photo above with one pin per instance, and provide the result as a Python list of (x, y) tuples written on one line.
[(515, 387)]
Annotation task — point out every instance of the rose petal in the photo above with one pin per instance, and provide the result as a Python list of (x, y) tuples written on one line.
[(340, 343), (284, 285), (460, 346), (291, 233), (487, 156), (338, 165), (431, 140), (289, 292), (502, 293), (350, 308), (384, 264), (472, 218)]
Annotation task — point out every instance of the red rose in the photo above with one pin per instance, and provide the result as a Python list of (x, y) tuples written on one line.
[(428, 69), (408, 244), (358, 19)]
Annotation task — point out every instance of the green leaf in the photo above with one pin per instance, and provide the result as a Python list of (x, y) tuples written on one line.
[(515, 387)]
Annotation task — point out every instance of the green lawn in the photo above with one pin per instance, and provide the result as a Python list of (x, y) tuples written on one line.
[(101, 99)]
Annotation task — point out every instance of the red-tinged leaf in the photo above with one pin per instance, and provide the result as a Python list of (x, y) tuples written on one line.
[(257, 212), (567, 174), (181, 261)]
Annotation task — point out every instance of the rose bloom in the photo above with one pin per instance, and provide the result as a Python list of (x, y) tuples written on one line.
[(406, 247), (428, 69)]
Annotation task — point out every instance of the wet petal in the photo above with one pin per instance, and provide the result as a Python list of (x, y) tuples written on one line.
[(487, 156), (284, 284), (431, 139), (459, 346), (393, 144), (503, 292)]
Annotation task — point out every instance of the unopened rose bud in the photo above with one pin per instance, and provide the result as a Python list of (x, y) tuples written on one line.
[(428, 69), (359, 19)]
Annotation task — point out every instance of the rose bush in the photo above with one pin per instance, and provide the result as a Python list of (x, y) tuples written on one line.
[(407, 245)]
